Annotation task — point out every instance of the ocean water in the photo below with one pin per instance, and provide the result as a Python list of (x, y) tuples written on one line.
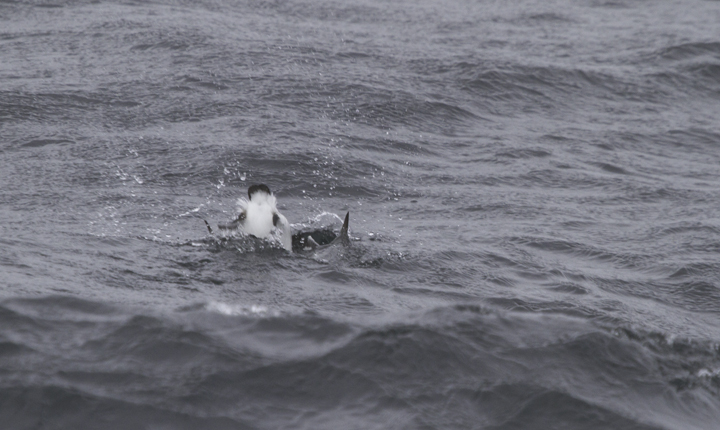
[(534, 198)]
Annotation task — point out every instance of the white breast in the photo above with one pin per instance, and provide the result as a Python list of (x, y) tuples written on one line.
[(259, 214)]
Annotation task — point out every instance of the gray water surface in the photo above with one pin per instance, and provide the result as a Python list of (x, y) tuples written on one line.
[(533, 191)]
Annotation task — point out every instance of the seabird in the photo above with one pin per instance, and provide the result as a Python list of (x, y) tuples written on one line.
[(259, 217)]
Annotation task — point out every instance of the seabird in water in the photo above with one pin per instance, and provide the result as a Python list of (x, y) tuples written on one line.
[(259, 217)]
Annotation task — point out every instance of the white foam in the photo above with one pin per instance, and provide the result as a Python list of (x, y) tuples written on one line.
[(238, 310), (708, 373)]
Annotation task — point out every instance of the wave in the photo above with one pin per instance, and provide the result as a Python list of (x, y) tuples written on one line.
[(685, 51), (458, 364)]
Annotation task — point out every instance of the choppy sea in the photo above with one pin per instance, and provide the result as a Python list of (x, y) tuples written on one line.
[(534, 198)]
